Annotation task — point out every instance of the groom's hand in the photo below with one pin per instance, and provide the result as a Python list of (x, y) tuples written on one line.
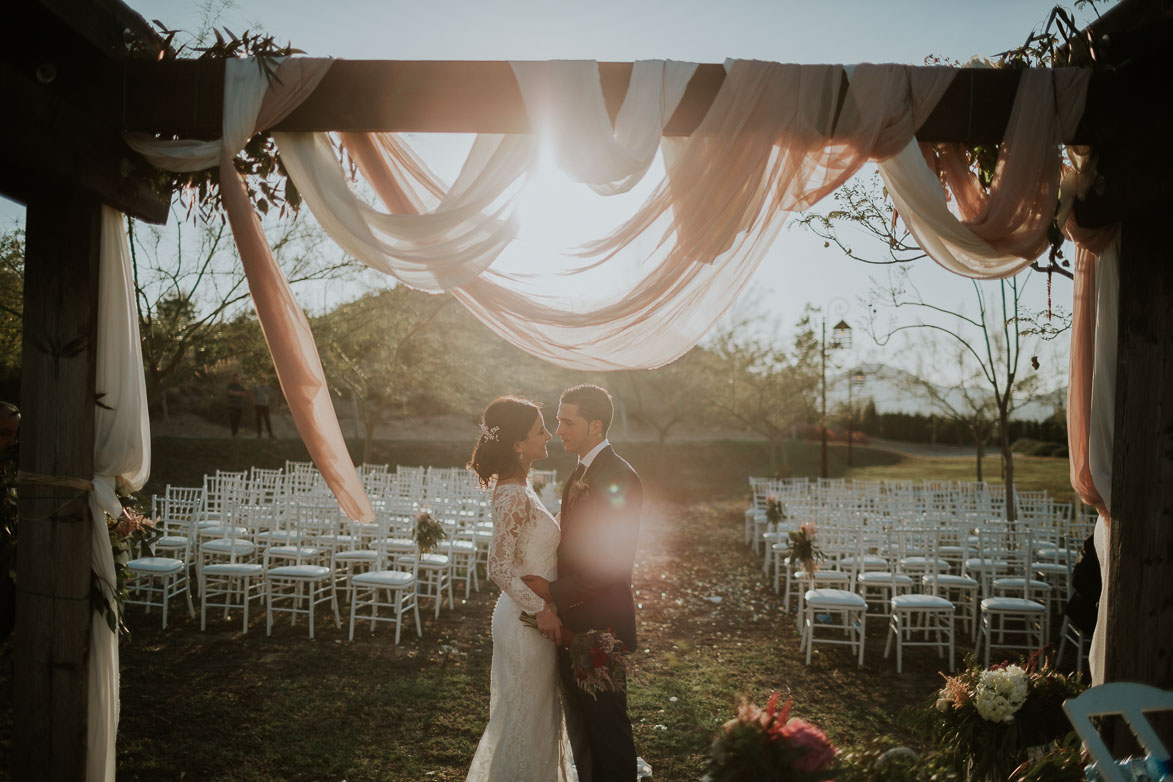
[(540, 587)]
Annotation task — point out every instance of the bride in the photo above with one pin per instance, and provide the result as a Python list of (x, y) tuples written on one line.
[(526, 738)]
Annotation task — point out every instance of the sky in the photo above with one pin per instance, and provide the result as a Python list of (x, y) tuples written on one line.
[(798, 269)]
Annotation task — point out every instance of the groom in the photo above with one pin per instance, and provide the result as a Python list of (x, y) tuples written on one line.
[(601, 506)]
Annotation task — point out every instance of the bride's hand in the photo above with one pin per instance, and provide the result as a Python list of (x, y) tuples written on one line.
[(550, 625)]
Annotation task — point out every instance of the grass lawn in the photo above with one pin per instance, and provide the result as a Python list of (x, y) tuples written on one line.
[(232, 706)]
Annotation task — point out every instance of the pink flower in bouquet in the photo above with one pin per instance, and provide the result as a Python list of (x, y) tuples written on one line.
[(598, 657), (817, 750)]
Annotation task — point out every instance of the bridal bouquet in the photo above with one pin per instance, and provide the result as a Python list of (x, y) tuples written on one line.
[(600, 662), (428, 532), (986, 718), (769, 744)]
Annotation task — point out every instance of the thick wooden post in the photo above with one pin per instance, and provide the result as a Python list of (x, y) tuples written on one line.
[(1140, 587), (57, 439)]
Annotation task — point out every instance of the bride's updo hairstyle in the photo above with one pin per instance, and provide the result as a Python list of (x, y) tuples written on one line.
[(507, 420)]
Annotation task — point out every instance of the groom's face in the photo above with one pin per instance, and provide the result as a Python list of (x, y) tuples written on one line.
[(578, 435)]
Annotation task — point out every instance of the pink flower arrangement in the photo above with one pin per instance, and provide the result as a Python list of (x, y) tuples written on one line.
[(769, 743)]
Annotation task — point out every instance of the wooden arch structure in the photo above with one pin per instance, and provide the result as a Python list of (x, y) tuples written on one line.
[(72, 87)]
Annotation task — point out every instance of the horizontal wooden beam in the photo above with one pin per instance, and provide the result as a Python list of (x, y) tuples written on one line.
[(52, 144), (184, 98)]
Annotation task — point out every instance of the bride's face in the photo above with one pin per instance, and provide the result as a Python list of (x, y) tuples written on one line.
[(533, 447)]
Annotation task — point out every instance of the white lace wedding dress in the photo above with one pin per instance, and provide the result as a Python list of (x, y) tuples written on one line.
[(526, 739)]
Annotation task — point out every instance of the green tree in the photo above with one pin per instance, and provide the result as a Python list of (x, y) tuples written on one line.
[(189, 283), (760, 387), (11, 301), (385, 349)]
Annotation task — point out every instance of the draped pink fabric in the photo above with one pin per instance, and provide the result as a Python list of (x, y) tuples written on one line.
[(1079, 379), (287, 332), (1014, 214), (765, 148)]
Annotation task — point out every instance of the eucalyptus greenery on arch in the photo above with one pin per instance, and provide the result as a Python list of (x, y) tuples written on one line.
[(266, 180)]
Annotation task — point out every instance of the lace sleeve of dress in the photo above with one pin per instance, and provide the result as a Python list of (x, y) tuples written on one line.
[(511, 516)]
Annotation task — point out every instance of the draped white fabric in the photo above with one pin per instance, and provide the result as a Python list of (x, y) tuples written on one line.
[(709, 223), (1047, 107), (1102, 426), (122, 452)]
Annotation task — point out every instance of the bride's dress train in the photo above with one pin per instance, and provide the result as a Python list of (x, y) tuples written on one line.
[(526, 738)]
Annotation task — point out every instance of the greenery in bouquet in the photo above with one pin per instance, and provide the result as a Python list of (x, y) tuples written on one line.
[(804, 547), (132, 536), (985, 719), (877, 760), (769, 744), (428, 532), (774, 512), (1063, 763)]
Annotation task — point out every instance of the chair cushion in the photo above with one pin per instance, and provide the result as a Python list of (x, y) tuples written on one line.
[(920, 562), (429, 560), (834, 598), (233, 569), (157, 565), (883, 577), (357, 555), (866, 561), (311, 572), (1017, 583), (383, 578), (952, 581), (171, 542), (921, 602), (977, 563), (293, 551), (1016, 604), (1049, 567), (228, 546)]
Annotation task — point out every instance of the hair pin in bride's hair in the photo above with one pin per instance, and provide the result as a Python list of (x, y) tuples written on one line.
[(489, 434)]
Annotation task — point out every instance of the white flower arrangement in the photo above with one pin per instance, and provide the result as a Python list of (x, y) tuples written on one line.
[(999, 694)]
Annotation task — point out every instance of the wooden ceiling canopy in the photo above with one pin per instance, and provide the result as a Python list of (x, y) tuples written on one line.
[(69, 66)]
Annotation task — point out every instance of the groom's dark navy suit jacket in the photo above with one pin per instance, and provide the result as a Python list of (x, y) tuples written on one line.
[(597, 550)]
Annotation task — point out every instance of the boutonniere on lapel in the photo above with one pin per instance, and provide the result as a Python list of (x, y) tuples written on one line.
[(577, 490)]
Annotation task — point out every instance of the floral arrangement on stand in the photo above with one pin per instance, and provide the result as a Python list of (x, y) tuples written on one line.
[(774, 512), (804, 547), (986, 719), (132, 536), (427, 532), (538, 486), (768, 743)]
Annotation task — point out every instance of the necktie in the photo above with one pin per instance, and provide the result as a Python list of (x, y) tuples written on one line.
[(568, 492)]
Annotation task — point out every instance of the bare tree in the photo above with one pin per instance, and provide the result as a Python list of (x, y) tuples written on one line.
[(189, 282), (991, 343), (760, 387), (664, 398)]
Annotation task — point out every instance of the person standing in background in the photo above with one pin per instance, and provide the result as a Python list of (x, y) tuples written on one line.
[(261, 393), (235, 403)]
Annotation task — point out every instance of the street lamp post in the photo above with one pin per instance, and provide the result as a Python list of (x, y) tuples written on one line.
[(856, 381), (841, 338)]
